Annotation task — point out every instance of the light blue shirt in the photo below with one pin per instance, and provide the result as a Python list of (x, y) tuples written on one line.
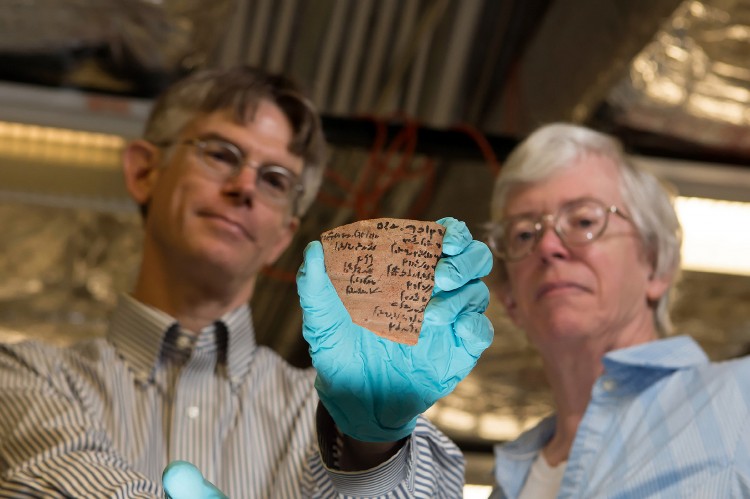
[(663, 421)]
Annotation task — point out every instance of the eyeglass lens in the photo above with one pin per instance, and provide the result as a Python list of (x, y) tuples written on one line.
[(576, 223), (277, 182)]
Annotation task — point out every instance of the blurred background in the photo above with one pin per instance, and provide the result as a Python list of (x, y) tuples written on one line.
[(421, 102)]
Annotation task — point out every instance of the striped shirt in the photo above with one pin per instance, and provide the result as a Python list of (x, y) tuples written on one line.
[(104, 417), (663, 421)]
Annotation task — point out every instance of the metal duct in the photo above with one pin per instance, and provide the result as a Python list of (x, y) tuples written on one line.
[(692, 82), (372, 57)]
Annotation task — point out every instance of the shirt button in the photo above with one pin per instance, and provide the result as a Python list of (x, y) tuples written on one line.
[(193, 412), (183, 342), (608, 385)]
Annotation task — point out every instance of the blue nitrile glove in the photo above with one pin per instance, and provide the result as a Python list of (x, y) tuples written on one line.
[(182, 480), (375, 388)]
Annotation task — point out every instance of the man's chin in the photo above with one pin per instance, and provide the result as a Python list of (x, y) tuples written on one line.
[(224, 266)]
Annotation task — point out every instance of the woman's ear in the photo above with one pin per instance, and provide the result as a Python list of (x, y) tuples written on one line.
[(656, 286), (509, 303), (657, 283), (502, 289), (140, 161)]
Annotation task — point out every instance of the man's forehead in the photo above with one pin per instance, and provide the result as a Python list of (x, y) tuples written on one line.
[(219, 119)]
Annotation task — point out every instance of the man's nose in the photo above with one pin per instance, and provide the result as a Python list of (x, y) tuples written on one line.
[(243, 183)]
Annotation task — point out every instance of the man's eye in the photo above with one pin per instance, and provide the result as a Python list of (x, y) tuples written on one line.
[(276, 180), (221, 155)]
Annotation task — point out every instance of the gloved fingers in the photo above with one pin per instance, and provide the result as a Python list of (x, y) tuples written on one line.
[(182, 480), (453, 272), (456, 237), (475, 331), (445, 307), (311, 276), (322, 309)]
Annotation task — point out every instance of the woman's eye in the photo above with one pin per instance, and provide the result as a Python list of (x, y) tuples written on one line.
[(583, 222), (523, 236), (521, 233)]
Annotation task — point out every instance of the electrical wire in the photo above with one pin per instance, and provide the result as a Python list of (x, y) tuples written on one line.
[(388, 164), (484, 146)]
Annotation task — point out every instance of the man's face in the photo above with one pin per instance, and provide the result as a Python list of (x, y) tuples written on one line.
[(598, 290), (221, 226)]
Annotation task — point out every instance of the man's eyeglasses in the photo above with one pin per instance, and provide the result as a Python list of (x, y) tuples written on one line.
[(224, 160), (576, 223)]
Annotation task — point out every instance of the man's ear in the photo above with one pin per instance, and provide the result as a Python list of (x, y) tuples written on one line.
[(140, 161), (285, 236)]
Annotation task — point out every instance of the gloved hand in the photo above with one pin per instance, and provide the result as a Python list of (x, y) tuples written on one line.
[(182, 480), (375, 388)]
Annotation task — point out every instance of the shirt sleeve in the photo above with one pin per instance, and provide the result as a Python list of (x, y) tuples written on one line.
[(429, 465), (50, 446)]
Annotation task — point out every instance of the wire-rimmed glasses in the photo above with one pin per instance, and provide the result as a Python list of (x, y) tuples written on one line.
[(276, 184), (576, 223)]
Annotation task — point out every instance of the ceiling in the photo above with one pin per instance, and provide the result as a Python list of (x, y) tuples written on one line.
[(422, 100)]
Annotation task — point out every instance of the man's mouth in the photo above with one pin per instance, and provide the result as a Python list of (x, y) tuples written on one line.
[(229, 222)]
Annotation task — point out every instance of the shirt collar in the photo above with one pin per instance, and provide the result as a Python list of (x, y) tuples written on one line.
[(138, 331), (668, 354)]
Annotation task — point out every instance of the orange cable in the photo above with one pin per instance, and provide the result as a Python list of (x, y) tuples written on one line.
[(484, 146)]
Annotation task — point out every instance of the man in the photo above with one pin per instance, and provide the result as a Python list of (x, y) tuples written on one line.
[(589, 249), (229, 161)]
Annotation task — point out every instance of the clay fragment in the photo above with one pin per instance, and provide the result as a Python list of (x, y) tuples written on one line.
[(384, 272)]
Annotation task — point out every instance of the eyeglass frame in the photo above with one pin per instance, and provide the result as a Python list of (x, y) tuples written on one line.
[(553, 220), (297, 187)]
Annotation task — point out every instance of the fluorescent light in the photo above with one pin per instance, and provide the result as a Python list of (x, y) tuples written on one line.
[(58, 146), (716, 235), (714, 209), (61, 167)]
